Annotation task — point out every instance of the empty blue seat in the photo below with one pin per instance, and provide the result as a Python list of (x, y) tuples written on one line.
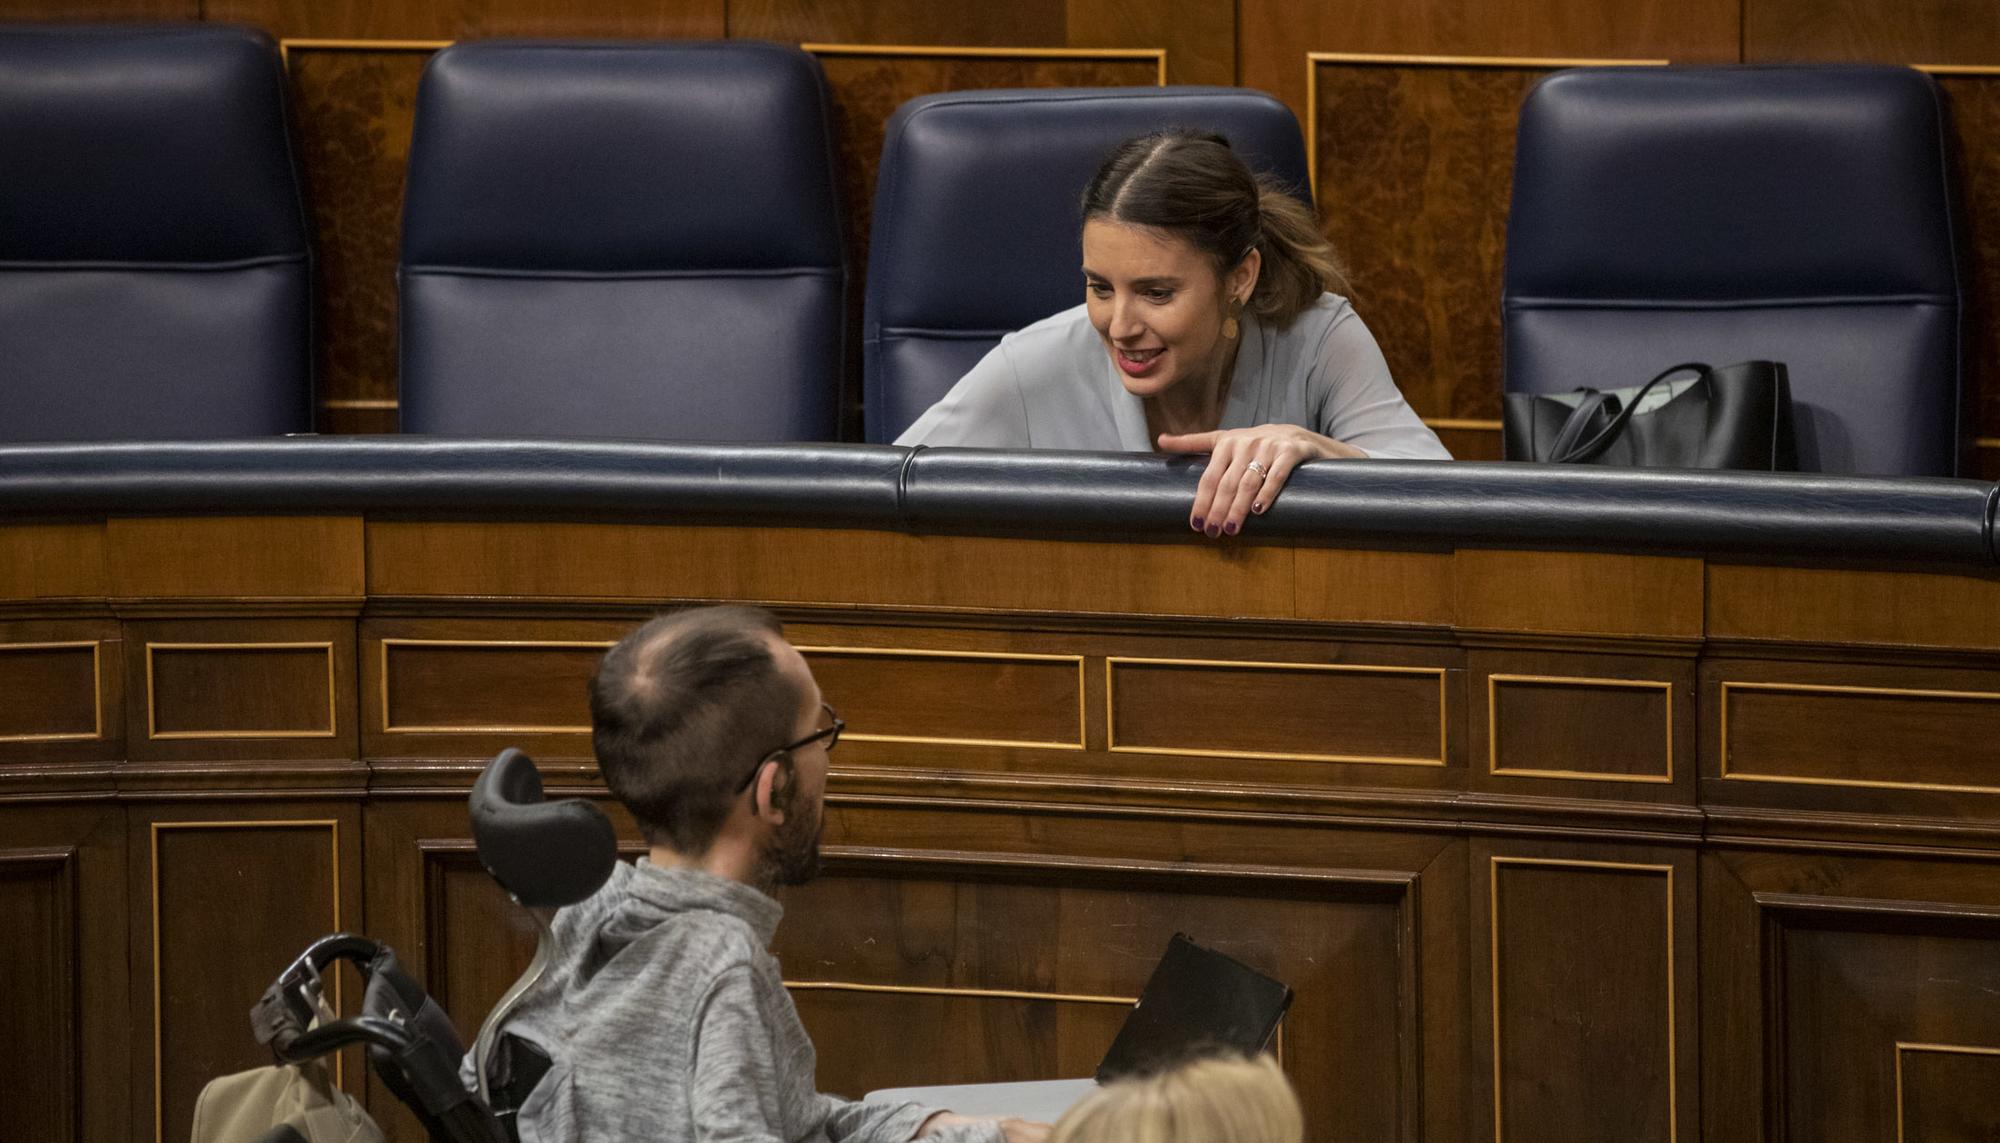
[(977, 219), (154, 273), (1798, 214), (635, 240)]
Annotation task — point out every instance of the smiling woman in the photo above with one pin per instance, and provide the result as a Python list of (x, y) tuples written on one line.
[(1212, 323)]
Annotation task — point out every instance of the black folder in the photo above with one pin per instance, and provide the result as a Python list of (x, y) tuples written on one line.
[(1197, 1001)]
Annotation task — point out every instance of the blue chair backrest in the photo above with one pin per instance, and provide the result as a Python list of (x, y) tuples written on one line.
[(154, 271), (634, 239), (977, 219), (1799, 214)]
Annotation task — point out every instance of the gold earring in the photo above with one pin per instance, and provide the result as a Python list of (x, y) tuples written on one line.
[(1229, 326)]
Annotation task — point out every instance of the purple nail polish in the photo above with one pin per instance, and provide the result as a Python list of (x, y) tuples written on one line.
[(1213, 530), (1258, 507), (1196, 524), (1230, 527)]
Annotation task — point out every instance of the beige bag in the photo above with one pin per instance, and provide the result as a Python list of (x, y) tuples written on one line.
[(243, 1107)]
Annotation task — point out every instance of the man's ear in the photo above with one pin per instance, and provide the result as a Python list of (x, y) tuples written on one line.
[(774, 787)]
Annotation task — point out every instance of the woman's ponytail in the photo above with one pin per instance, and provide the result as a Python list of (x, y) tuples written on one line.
[(1299, 262)]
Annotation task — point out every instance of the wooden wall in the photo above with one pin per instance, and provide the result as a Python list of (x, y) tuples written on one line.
[(1570, 847), (1413, 141)]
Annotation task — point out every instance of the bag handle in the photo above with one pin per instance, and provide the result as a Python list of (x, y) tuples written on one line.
[(1594, 447)]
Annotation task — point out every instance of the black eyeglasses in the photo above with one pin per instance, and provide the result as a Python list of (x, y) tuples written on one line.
[(830, 733)]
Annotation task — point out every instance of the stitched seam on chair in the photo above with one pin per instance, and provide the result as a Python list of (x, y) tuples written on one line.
[(169, 267), (916, 332), (1533, 303), (620, 275)]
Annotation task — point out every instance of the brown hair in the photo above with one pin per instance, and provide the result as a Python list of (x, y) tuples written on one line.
[(680, 709), (1223, 1099), (1193, 185)]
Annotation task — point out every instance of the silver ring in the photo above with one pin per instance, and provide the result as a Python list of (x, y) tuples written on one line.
[(1257, 466)]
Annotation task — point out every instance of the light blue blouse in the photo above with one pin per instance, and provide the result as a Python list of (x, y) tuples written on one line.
[(1053, 385)]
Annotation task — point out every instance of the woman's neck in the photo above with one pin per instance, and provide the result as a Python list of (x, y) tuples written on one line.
[(1193, 407)]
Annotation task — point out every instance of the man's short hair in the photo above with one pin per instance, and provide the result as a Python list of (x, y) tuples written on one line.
[(681, 709)]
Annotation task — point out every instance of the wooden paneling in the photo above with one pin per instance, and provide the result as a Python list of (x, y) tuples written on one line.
[(477, 941), (1972, 107), (827, 566), (1581, 593), (1341, 586), (1816, 967), (1879, 31), (1945, 1092), (953, 697), (1092, 935), (1853, 606), (283, 879), (1276, 34), (64, 986), (354, 106), (1571, 1062), (1856, 726), (1307, 712), (225, 557), (1413, 164), (40, 998), (50, 691), (240, 690), (243, 689), (497, 687), (51, 561), (1541, 717)]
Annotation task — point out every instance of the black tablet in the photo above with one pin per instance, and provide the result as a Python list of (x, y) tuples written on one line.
[(1198, 1000)]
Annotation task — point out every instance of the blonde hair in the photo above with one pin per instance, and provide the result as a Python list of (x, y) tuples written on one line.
[(1222, 1099)]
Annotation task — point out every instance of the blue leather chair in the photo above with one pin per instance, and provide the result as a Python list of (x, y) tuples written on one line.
[(1800, 214), (154, 269), (634, 240), (976, 226)]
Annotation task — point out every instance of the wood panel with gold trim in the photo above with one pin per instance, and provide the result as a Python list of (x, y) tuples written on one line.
[(1588, 981), (283, 874), (1850, 996), (1578, 725), (1852, 735), (271, 689), (61, 694)]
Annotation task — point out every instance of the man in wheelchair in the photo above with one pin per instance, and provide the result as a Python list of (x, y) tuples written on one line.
[(663, 1014)]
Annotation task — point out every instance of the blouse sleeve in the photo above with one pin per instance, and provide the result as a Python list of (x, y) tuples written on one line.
[(1357, 402), (983, 410)]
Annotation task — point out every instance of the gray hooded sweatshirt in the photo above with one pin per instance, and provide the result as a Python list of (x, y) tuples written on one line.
[(667, 1021)]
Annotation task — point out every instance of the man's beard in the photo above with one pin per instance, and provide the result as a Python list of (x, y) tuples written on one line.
[(793, 855)]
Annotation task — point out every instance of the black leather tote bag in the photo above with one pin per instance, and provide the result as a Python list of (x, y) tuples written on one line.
[(1738, 416)]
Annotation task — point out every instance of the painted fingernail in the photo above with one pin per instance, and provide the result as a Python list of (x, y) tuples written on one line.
[(1230, 527), (1258, 507), (1213, 531), (1196, 523)]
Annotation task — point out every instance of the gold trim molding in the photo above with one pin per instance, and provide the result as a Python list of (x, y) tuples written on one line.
[(1826, 688), (1368, 59), (949, 51), (96, 689), (1493, 938), (1938, 1049), (1082, 716), (1493, 727), (1111, 711), (308, 44), (332, 825), (332, 707)]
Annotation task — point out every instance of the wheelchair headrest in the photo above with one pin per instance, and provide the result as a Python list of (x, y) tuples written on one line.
[(547, 854)]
